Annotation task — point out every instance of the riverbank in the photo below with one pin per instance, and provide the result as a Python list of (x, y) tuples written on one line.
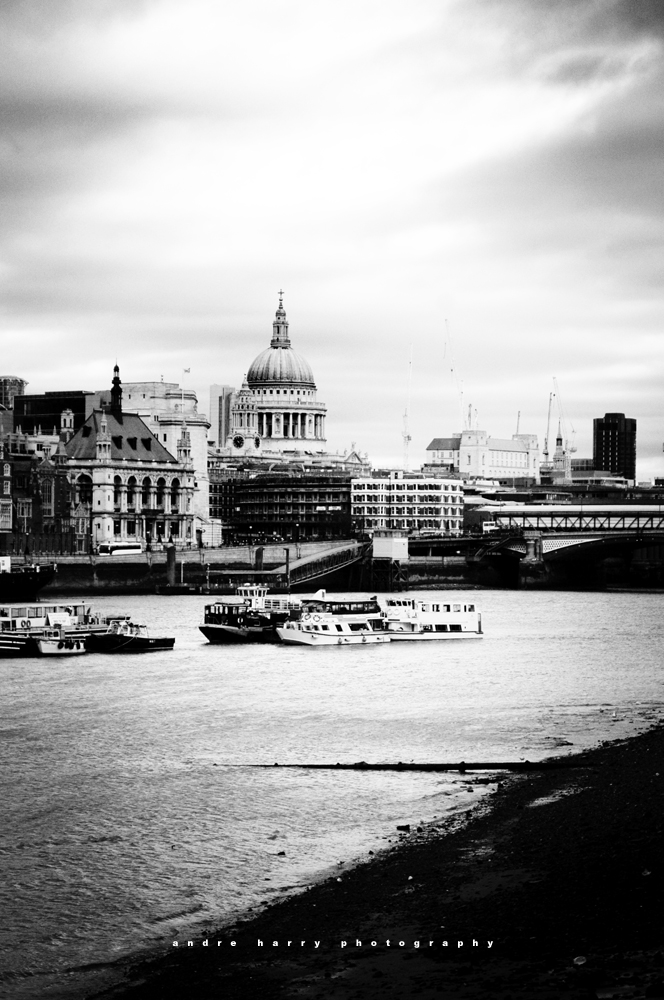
[(553, 891), (202, 571)]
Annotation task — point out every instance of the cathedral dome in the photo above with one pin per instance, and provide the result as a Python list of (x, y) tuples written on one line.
[(279, 363)]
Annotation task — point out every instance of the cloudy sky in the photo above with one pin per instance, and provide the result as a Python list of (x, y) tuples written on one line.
[(462, 200)]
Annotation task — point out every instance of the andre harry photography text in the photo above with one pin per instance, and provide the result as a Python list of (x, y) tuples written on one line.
[(350, 943)]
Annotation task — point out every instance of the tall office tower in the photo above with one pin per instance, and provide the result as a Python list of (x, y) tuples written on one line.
[(10, 386), (614, 444), (221, 400)]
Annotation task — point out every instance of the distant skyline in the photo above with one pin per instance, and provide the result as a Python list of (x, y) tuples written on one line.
[(473, 184)]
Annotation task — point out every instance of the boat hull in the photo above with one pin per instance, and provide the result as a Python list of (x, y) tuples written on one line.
[(25, 584), (225, 634), (398, 636), (60, 647), (300, 637), (114, 643)]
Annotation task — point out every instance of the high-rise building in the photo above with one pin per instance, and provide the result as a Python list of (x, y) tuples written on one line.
[(221, 401), (614, 444), (10, 386)]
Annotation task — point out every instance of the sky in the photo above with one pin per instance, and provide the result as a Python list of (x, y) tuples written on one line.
[(461, 199)]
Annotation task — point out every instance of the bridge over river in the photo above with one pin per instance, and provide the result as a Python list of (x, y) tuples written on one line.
[(570, 544)]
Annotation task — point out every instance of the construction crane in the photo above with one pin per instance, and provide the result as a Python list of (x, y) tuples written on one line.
[(568, 444), (453, 372), (406, 428), (548, 428)]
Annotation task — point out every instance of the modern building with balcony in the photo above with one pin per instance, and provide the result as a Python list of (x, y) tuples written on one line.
[(407, 502)]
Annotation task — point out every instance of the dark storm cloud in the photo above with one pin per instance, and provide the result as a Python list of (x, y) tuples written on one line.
[(638, 17), (573, 41), (51, 113), (45, 137), (579, 20)]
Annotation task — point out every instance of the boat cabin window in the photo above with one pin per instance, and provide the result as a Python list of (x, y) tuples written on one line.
[(426, 607), (325, 628), (447, 608), (470, 607), (435, 607), (456, 607), (455, 628), (339, 628), (441, 628), (18, 612)]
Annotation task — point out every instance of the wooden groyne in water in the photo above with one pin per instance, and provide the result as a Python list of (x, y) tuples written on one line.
[(460, 766)]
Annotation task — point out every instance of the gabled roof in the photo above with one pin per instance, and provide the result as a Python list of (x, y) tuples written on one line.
[(130, 437)]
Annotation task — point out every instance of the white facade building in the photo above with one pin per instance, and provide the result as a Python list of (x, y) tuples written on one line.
[(407, 502), (472, 454), (165, 407)]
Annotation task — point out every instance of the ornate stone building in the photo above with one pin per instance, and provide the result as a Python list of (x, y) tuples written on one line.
[(125, 480), (163, 406)]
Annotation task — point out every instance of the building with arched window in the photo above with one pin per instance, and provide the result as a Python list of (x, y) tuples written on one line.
[(126, 482)]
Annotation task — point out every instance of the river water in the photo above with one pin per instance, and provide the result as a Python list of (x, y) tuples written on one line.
[(128, 822)]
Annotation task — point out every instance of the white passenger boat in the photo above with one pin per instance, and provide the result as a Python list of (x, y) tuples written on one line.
[(432, 618), (339, 622), (56, 642)]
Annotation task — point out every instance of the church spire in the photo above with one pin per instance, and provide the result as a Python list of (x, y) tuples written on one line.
[(280, 336), (116, 394)]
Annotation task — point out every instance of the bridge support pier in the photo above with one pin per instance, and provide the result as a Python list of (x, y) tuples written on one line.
[(533, 571), (388, 575)]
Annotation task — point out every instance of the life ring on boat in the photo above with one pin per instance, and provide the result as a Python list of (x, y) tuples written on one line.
[(25, 623), (316, 618), (305, 618)]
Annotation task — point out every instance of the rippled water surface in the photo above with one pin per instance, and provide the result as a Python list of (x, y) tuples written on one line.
[(128, 821)]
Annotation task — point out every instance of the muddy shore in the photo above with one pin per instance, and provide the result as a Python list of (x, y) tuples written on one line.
[(556, 891)]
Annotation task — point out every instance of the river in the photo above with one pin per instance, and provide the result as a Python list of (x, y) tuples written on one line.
[(128, 822)]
